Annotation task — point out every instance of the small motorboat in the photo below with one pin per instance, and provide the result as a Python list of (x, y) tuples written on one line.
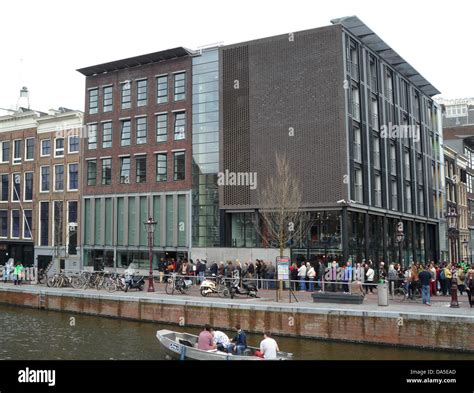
[(183, 346)]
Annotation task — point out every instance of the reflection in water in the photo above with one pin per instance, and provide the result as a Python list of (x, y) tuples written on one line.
[(34, 334)]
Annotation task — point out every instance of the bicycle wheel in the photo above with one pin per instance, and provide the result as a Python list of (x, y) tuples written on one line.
[(400, 294), (77, 282), (50, 282), (110, 286), (223, 292), (169, 287)]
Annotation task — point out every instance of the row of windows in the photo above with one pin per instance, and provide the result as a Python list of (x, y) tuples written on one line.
[(58, 177), (125, 170), (141, 130), (12, 229), (57, 228), (162, 93), (29, 148), (16, 190)]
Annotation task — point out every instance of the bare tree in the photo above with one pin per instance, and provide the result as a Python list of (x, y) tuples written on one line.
[(282, 218)]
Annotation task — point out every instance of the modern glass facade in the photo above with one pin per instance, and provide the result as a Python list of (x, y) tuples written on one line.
[(205, 166), (115, 234)]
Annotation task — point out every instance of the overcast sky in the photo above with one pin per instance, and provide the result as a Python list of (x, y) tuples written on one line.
[(43, 42)]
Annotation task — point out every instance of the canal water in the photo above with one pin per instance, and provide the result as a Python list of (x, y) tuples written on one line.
[(30, 334)]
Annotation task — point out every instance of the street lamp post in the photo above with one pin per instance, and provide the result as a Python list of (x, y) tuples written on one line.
[(150, 229), (452, 218), (400, 239)]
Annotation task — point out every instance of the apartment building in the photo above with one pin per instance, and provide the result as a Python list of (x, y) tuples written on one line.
[(57, 188), (137, 158), (17, 168)]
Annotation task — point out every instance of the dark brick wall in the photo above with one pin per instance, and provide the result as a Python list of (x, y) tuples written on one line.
[(285, 83), (148, 71)]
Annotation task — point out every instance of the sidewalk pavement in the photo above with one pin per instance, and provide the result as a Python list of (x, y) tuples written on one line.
[(266, 301)]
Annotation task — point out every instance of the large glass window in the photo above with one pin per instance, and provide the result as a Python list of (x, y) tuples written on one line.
[(106, 171), (132, 228), (4, 188), (15, 224), (126, 95), (93, 101), (27, 224), (357, 145), (72, 227), (17, 151), (162, 89), (125, 133), (161, 167), (108, 98), (107, 134), (140, 164), (394, 188), (92, 136), (4, 223), (358, 194), (378, 190), (243, 230), (142, 92), (58, 177), (120, 221), (161, 127), (45, 178), (170, 225), (28, 186), (179, 86), (45, 147), (125, 170), (376, 152), (5, 151), (73, 144), (182, 220), (91, 172), (179, 125), (179, 165), (58, 223), (30, 148), (16, 190), (44, 223), (73, 177), (59, 147), (141, 130)]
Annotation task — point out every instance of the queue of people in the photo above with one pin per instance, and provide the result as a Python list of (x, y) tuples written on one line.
[(13, 271)]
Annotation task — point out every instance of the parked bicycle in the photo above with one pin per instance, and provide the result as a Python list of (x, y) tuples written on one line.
[(402, 293), (177, 283)]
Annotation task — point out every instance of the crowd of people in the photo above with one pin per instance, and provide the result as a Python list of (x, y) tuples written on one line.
[(13, 271), (212, 340), (262, 272)]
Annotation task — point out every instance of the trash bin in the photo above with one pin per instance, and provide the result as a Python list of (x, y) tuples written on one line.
[(382, 294)]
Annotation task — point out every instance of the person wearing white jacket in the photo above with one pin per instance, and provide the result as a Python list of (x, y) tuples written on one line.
[(302, 276), (369, 279), (311, 274)]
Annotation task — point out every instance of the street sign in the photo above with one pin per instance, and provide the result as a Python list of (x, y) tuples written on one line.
[(283, 267)]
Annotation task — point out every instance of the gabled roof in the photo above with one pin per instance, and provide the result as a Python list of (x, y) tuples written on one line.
[(356, 27), (136, 61)]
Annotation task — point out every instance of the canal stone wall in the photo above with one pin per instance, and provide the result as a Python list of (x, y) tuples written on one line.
[(377, 326)]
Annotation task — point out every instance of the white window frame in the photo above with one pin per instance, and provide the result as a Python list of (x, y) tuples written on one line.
[(11, 224), (41, 148), (24, 187), (13, 187), (14, 162), (26, 150), (54, 178), (41, 179), (68, 174), (24, 225), (63, 149), (69, 144), (2, 159)]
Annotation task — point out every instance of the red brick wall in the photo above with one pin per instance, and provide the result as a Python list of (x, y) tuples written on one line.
[(430, 332), (150, 72)]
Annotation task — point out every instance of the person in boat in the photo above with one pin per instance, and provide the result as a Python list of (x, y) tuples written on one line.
[(269, 347), (206, 339), (221, 340), (239, 342)]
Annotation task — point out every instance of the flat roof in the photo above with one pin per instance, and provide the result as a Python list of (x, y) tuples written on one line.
[(356, 27), (136, 61)]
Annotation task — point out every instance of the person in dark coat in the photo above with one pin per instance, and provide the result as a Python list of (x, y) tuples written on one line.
[(213, 269)]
